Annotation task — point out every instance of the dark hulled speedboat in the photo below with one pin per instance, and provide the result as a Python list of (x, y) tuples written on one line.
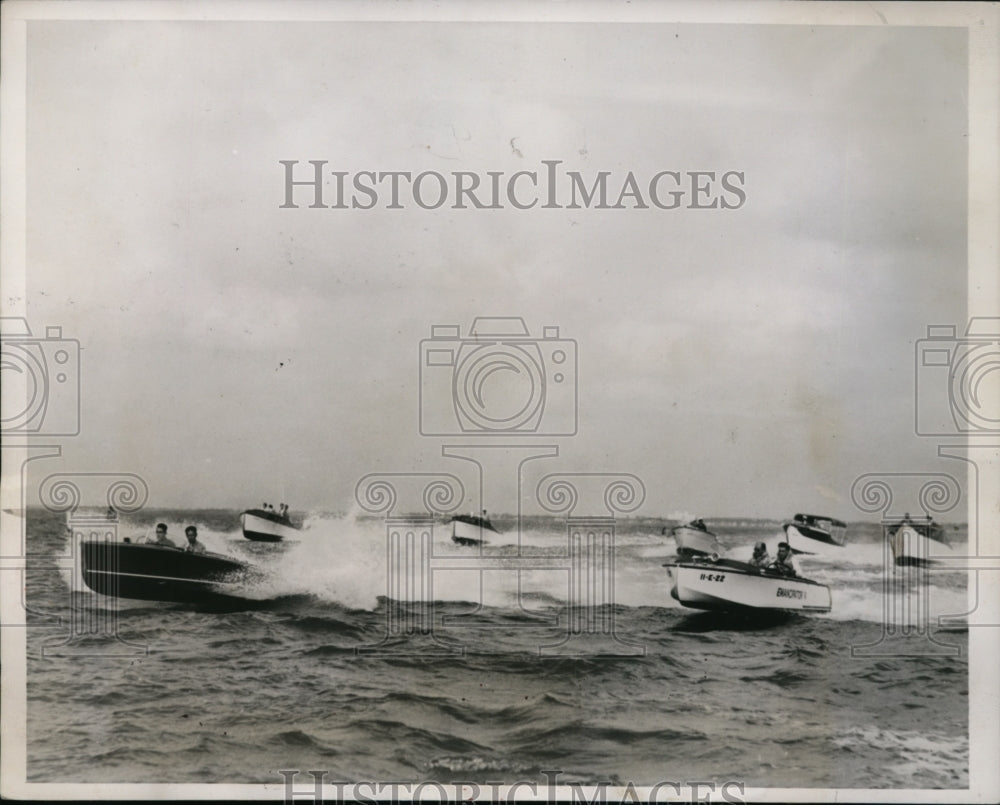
[(159, 573)]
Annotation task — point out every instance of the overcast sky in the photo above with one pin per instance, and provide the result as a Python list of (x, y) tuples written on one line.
[(750, 361)]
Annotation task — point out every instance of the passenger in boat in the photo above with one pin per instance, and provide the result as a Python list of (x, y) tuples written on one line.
[(761, 558), (193, 545), (162, 538), (699, 524), (784, 564)]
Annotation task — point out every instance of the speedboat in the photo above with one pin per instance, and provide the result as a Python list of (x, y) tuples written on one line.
[(815, 533), (151, 572), (918, 543), (730, 586), (470, 529), (265, 525), (694, 539)]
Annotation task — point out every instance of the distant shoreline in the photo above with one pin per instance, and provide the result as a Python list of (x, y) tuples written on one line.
[(658, 521)]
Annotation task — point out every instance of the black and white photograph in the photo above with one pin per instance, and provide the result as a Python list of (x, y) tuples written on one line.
[(587, 401)]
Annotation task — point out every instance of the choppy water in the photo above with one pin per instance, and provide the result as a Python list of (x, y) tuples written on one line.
[(278, 682)]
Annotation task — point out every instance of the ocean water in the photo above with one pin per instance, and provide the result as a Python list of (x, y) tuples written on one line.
[(315, 668)]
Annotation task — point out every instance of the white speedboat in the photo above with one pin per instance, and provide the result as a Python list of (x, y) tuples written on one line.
[(694, 539), (471, 529), (815, 534), (264, 525), (731, 586), (920, 542)]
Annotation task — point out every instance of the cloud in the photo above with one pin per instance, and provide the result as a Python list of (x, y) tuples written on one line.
[(774, 341)]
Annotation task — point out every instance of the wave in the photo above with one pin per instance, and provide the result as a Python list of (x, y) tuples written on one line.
[(397, 732), (323, 624), (299, 739), (912, 759), (552, 742)]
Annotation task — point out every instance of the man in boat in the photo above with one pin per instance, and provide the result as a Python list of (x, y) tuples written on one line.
[(699, 524), (784, 564), (162, 538), (193, 545), (761, 558)]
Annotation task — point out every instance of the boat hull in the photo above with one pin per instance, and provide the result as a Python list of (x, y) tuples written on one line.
[(264, 529), (733, 586), (157, 573), (470, 530), (695, 542), (803, 539), (911, 548)]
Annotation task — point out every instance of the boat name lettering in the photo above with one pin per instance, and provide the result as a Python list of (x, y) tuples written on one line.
[(784, 592), (713, 576)]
